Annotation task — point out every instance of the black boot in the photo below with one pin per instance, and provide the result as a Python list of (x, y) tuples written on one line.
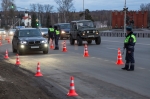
[(131, 67), (126, 66), (56, 48)]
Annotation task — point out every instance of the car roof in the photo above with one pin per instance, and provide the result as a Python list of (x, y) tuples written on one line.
[(61, 23), (27, 28), (80, 20)]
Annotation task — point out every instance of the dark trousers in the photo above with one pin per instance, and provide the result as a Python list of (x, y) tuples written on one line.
[(56, 41), (129, 60), (50, 37)]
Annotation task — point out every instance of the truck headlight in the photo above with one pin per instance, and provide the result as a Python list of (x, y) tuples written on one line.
[(63, 32), (97, 32), (23, 42), (44, 41), (87, 31)]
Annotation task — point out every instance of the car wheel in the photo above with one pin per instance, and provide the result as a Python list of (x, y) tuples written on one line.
[(14, 50), (89, 41), (98, 40), (71, 40), (45, 52), (79, 41)]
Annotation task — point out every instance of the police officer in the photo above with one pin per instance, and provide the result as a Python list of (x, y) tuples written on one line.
[(129, 44), (56, 35), (50, 33)]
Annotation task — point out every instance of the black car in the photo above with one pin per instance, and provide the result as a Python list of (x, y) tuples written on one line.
[(64, 29), (27, 39), (84, 30)]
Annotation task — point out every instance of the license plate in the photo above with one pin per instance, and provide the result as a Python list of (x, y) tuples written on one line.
[(34, 46), (91, 36)]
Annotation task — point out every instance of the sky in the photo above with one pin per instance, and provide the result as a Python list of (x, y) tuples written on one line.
[(92, 5)]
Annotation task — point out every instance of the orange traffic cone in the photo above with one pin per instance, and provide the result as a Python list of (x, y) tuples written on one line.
[(64, 47), (119, 58), (38, 73), (8, 40), (6, 54), (72, 91), (51, 45), (86, 54), (0, 43), (17, 60)]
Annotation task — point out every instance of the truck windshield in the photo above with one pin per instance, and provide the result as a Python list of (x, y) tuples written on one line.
[(85, 24)]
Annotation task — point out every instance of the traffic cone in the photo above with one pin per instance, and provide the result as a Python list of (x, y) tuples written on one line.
[(0, 43), (86, 54), (38, 73), (17, 60), (119, 58), (8, 40), (64, 47), (72, 91), (51, 45), (6, 54)]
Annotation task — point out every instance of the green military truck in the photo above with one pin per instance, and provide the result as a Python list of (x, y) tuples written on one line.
[(84, 30)]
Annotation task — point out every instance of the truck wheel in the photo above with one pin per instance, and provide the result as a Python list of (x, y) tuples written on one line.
[(14, 50), (89, 41), (98, 40), (71, 40), (79, 41)]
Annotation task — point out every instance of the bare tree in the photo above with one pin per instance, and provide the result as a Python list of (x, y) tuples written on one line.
[(33, 7), (9, 12), (48, 9), (65, 6), (146, 7)]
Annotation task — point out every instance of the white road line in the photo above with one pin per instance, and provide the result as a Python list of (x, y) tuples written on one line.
[(122, 42), (141, 68)]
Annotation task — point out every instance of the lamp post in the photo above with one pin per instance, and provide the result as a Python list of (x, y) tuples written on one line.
[(83, 11), (125, 12)]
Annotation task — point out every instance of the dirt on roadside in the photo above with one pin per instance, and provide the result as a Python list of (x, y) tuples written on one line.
[(14, 84)]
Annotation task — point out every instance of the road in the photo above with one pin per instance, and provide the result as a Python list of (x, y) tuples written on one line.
[(97, 76)]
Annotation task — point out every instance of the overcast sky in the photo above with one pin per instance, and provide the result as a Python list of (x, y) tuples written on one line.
[(89, 4)]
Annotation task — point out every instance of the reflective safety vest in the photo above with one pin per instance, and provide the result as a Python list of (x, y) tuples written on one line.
[(57, 32), (127, 39), (51, 29)]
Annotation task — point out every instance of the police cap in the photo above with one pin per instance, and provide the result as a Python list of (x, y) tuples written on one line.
[(128, 28)]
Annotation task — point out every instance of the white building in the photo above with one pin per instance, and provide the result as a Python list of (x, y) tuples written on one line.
[(27, 19)]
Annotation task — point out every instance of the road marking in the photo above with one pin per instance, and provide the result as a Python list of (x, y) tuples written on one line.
[(123, 42), (99, 58), (93, 57), (106, 60), (141, 68), (111, 48)]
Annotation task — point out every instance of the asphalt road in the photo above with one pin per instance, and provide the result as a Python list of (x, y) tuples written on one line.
[(96, 77)]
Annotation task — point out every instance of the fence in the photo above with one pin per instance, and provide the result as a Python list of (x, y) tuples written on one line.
[(117, 34)]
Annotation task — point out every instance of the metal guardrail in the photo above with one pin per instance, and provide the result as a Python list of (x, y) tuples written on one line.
[(116, 34)]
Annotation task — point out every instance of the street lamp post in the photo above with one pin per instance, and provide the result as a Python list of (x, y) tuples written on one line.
[(83, 11), (125, 12)]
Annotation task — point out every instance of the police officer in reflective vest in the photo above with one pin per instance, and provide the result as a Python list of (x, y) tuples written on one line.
[(56, 35), (50, 33), (129, 44)]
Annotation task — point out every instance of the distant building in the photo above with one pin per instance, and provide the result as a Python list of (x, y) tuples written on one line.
[(136, 19), (27, 20)]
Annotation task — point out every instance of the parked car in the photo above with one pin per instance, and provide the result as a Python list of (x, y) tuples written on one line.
[(44, 32), (29, 39), (11, 32), (64, 29), (2, 32), (84, 30)]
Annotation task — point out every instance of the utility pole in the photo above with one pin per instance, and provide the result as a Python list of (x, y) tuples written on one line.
[(125, 12), (83, 11)]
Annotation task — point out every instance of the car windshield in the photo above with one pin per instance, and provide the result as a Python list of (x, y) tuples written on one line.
[(43, 30), (85, 24), (12, 29), (65, 26), (29, 33)]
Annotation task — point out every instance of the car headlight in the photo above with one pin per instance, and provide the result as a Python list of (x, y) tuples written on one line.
[(97, 32), (87, 31), (44, 41), (11, 32), (42, 33), (23, 42), (63, 32)]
